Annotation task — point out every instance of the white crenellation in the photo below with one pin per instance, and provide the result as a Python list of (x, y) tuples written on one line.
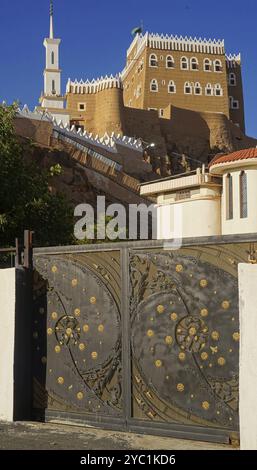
[(94, 86), (233, 60)]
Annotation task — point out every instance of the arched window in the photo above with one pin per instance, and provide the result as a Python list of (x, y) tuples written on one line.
[(171, 87), (234, 104), (198, 88), (184, 64), (229, 197), (52, 57), (218, 91), (188, 89), (243, 195), (207, 65), (209, 89), (53, 87), (217, 65), (194, 65), (170, 64), (154, 86), (232, 79), (153, 61)]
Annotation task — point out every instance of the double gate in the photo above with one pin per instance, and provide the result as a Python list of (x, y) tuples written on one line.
[(138, 337)]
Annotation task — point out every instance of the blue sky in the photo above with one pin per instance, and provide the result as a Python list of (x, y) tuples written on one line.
[(96, 34)]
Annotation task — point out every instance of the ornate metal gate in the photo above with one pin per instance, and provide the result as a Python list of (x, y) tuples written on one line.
[(139, 338)]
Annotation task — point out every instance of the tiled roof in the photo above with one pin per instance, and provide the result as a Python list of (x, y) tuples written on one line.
[(245, 154)]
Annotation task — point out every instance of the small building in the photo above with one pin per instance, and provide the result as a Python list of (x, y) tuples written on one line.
[(200, 204)]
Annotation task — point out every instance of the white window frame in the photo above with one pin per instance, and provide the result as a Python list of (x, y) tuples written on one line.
[(209, 62), (154, 81), (198, 85), (82, 104), (194, 61), (233, 104), (161, 112), (153, 57), (184, 60), (218, 63), (170, 59), (172, 84), (218, 86), (188, 85), (209, 87), (232, 79)]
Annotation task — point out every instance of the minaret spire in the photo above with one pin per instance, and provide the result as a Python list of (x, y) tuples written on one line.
[(51, 20)]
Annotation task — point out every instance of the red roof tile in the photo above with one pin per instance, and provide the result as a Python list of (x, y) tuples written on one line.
[(245, 154)]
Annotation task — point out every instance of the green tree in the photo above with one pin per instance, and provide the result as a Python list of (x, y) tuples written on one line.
[(26, 201)]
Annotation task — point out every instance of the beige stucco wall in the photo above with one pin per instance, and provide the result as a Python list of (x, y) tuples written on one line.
[(248, 356), (197, 217), (239, 225), (7, 330)]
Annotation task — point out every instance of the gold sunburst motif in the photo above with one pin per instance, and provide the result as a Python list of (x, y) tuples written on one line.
[(179, 268), (54, 315), (57, 349), (168, 340), (203, 283), (158, 363), (60, 380), (225, 304), (192, 331), (236, 336), (77, 312), (85, 328), (54, 269), (100, 328), (215, 335), (204, 312), (94, 355), (160, 308), (221, 361), (204, 356), (205, 405), (80, 396), (173, 316), (150, 333), (82, 347), (74, 282), (49, 331), (180, 387), (182, 356), (93, 300)]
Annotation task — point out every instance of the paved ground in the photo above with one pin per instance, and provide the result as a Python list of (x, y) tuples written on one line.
[(37, 436)]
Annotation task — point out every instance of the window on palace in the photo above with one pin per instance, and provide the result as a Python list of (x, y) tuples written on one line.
[(209, 89), (243, 195), (184, 63), (52, 58), (232, 79), (53, 87), (154, 86), (198, 89), (218, 91), (170, 64), (217, 65), (82, 106), (207, 65), (153, 61), (229, 197), (171, 87), (194, 65), (188, 89)]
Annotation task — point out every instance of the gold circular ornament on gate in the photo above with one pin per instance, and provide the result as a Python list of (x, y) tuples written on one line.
[(204, 312), (85, 328), (203, 283), (49, 331), (215, 335), (221, 361), (43, 360), (236, 336), (168, 340), (82, 347), (54, 316), (179, 268), (204, 356), (80, 396), (74, 282), (158, 363), (100, 328), (60, 380), (182, 356), (225, 304), (150, 333), (173, 316), (180, 388), (94, 355), (77, 312), (160, 309), (54, 269), (69, 331), (192, 331), (205, 405), (57, 349), (93, 300)]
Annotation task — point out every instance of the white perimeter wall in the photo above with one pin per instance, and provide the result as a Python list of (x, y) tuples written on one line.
[(7, 330), (248, 356)]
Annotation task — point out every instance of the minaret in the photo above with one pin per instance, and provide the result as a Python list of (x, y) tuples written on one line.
[(52, 97)]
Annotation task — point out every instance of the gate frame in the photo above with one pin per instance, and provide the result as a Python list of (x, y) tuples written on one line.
[(126, 422)]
